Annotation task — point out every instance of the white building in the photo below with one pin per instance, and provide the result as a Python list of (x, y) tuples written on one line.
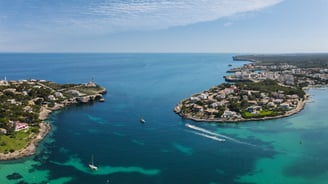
[(194, 99), (203, 96), (229, 114), (4, 82), (21, 126)]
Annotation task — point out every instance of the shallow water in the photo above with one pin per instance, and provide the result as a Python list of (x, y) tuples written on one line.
[(164, 149)]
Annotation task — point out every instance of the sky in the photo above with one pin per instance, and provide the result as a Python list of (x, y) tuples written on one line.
[(201, 26)]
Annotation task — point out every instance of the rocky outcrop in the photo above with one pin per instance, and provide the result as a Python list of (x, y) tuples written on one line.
[(89, 98)]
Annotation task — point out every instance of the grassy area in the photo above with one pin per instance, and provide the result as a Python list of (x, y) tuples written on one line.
[(89, 90), (267, 113), (262, 113), (11, 143), (56, 86)]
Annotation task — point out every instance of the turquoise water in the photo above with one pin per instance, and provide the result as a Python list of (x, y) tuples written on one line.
[(164, 149)]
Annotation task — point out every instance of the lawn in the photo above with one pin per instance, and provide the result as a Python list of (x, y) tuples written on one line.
[(262, 113), (10, 143)]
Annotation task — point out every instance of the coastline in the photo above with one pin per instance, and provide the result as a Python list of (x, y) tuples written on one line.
[(30, 148), (44, 129), (211, 105), (300, 106)]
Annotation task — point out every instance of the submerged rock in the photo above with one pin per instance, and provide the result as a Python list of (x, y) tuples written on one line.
[(14, 176)]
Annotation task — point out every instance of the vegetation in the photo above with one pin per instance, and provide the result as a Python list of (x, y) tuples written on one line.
[(254, 94), (300, 60), (21, 101), (261, 114), (57, 86), (246, 100), (17, 141), (88, 90), (269, 86)]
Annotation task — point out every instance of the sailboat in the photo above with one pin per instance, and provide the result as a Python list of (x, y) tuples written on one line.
[(91, 165), (142, 120)]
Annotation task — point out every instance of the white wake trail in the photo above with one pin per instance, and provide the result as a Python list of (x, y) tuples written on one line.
[(212, 134), (208, 136)]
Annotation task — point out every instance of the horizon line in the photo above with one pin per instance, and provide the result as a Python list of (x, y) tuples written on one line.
[(238, 53)]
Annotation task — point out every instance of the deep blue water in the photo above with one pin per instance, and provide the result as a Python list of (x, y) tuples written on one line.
[(163, 150)]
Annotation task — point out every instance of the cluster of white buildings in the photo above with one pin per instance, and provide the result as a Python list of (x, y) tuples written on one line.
[(284, 73), (210, 102)]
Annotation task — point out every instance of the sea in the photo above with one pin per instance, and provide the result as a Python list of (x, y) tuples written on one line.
[(166, 149)]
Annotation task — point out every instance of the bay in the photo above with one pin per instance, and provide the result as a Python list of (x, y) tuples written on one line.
[(164, 149)]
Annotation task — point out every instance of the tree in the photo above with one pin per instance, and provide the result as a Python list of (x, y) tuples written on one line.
[(244, 104), (234, 106)]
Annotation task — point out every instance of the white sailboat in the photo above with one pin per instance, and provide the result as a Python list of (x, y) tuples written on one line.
[(142, 120), (91, 165)]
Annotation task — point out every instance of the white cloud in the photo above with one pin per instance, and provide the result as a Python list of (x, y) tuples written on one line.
[(108, 16), (116, 16), (227, 24), (33, 26)]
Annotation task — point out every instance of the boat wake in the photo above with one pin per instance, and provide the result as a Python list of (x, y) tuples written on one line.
[(214, 136), (209, 136)]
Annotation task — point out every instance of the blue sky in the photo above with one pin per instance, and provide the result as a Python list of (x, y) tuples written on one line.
[(235, 26)]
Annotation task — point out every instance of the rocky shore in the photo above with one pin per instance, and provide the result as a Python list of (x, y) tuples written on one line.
[(300, 107), (244, 101), (259, 90), (29, 149), (45, 127)]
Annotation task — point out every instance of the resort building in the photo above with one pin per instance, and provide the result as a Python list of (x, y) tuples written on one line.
[(21, 126)]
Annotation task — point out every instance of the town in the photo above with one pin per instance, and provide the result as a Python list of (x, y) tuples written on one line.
[(283, 73), (242, 102), (255, 91)]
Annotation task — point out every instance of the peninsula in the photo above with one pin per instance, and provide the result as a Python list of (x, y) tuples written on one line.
[(269, 87), (25, 104)]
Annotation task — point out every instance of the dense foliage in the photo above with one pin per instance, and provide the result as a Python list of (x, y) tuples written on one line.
[(269, 86), (300, 60)]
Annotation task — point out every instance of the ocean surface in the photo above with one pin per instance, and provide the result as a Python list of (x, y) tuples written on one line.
[(167, 148)]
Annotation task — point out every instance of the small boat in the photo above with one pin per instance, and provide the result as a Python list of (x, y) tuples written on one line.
[(92, 166), (229, 64), (142, 120), (101, 100)]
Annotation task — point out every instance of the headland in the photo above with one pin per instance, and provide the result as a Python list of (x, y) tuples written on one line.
[(265, 88), (25, 106)]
